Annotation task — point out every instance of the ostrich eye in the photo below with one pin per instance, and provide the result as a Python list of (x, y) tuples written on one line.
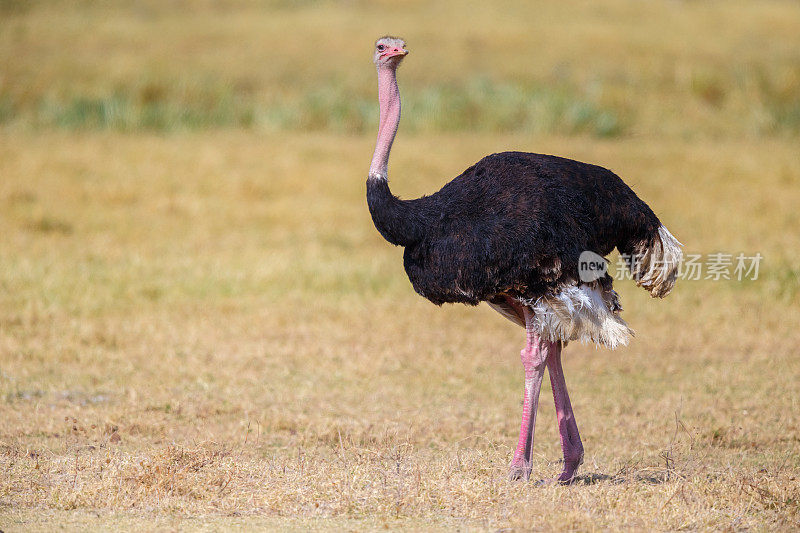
[(381, 48)]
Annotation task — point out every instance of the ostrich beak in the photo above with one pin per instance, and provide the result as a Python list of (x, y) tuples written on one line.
[(394, 52)]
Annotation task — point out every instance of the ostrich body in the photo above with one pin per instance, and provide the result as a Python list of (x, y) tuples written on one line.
[(509, 231)]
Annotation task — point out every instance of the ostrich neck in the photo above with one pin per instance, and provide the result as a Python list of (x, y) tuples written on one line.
[(389, 102)]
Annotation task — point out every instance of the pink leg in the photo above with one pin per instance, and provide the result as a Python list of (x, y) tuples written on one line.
[(567, 428), (534, 358)]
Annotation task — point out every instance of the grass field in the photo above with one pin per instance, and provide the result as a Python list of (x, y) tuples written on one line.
[(200, 329)]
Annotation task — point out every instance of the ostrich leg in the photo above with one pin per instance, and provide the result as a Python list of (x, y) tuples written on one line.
[(567, 428), (534, 359)]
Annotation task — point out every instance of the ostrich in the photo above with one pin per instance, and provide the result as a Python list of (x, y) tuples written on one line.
[(509, 231)]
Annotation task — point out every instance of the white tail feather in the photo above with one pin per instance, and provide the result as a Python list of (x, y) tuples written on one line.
[(655, 268)]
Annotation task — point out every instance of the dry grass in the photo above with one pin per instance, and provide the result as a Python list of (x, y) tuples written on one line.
[(202, 330), (222, 333)]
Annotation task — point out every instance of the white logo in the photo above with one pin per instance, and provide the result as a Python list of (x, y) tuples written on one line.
[(591, 266)]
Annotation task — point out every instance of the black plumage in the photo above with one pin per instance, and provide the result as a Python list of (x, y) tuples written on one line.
[(514, 223)]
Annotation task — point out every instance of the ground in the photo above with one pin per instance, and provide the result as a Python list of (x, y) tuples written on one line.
[(200, 329)]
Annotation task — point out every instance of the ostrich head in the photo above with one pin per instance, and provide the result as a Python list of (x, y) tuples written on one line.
[(389, 51)]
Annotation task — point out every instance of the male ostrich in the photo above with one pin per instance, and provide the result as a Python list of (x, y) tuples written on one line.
[(509, 231)]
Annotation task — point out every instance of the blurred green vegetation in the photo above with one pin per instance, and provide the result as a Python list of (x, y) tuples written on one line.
[(477, 105), (715, 69)]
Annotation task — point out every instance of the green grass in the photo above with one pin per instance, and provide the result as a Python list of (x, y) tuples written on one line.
[(477, 105)]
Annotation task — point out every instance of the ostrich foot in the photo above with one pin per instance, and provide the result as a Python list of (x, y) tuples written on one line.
[(569, 471), (520, 470), (567, 475)]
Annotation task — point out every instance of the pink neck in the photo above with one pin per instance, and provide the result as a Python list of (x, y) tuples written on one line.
[(389, 101)]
